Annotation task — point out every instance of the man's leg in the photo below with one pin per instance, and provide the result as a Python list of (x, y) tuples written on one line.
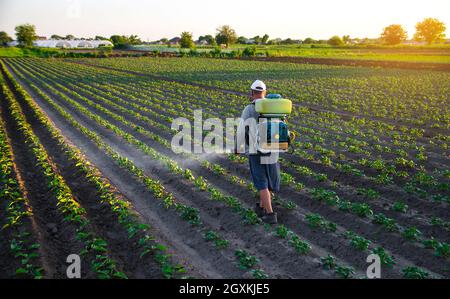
[(266, 200)]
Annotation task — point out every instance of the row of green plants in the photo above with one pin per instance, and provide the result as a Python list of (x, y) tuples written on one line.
[(16, 219), (402, 173), (247, 214), (118, 205), (393, 94), (400, 160), (160, 126), (386, 130), (187, 213), (101, 264), (215, 193), (360, 210), (280, 230), (383, 178), (299, 245)]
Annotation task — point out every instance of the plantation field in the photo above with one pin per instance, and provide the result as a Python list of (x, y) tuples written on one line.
[(88, 169), (412, 54), (416, 54)]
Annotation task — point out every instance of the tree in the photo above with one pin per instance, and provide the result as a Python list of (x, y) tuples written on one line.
[(4, 38), (287, 41), (119, 41), (99, 37), (335, 41), (265, 38), (309, 40), (242, 40), (249, 51), (393, 34), (69, 36), (134, 40), (208, 38), (122, 41), (430, 30), (56, 36), (275, 41), (346, 39), (226, 35), (257, 39), (186, 40), (26, 34)]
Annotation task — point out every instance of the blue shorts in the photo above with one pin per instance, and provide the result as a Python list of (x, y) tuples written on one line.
[(264, 176)]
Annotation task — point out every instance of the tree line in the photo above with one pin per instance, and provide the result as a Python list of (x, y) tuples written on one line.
[(430, 30)]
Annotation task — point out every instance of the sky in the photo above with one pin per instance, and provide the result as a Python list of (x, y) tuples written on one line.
[(154, 19)]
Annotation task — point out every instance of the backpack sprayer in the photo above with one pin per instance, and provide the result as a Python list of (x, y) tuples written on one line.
[(273, 134)]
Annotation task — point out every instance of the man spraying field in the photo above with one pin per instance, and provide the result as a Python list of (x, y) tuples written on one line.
[(263, 133)]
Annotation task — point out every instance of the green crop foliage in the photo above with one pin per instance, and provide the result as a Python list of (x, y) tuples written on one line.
[(364, 154), (245, 260), (385, 258), (344, 272), (328, 262), (357, 242), (414, 273)]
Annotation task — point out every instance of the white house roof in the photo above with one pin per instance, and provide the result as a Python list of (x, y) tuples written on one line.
[(14, 43), (74, 43)]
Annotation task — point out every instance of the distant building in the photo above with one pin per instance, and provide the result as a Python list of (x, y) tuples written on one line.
[(73, 43), (62, 43)]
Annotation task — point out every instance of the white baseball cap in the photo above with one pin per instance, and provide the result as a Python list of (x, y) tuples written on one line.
[(258, 85)]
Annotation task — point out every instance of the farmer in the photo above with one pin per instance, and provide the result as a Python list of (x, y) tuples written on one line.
[(265, 170)]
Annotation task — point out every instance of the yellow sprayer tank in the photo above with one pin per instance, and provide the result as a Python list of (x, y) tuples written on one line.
[(273, 104)]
